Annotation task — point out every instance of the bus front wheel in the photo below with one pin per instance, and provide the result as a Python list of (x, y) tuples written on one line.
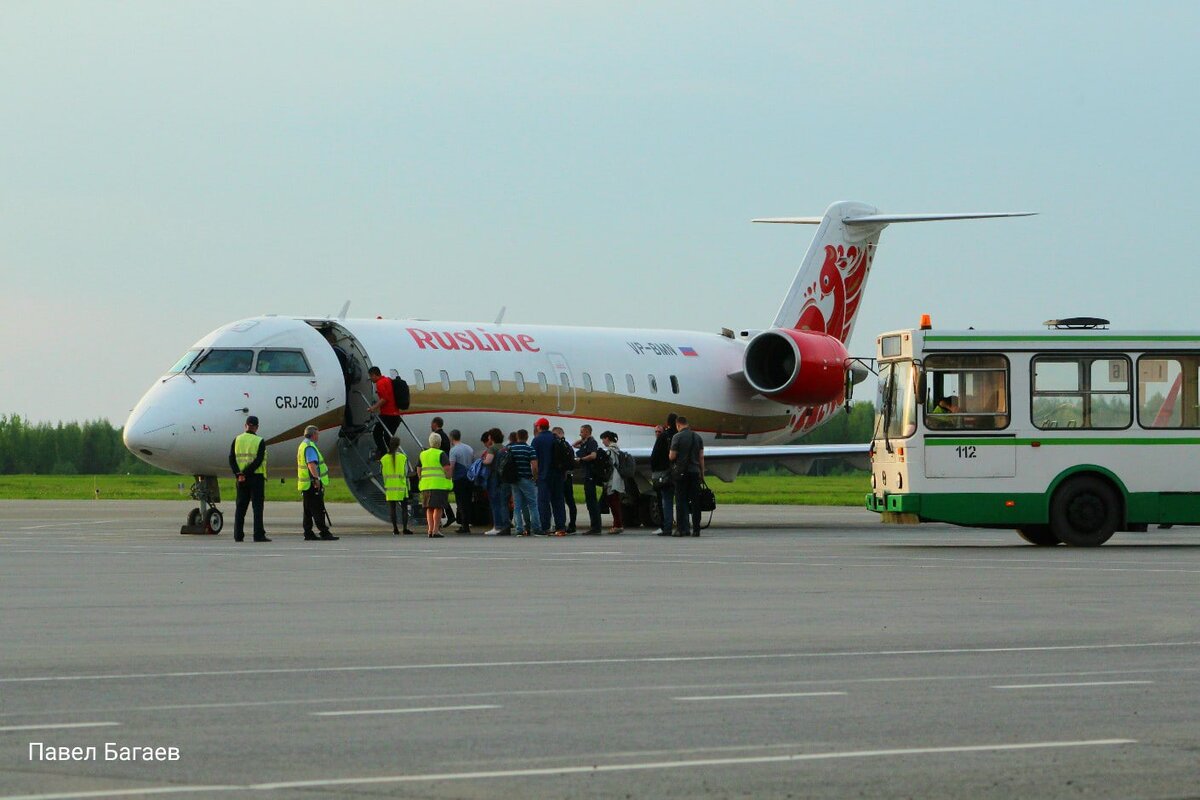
[(1039, 535), (1084, 512)]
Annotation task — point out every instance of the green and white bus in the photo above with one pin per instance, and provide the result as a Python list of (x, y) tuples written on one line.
[(1066, 435)]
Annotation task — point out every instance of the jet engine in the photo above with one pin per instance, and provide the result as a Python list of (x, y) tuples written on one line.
[(803, 368)]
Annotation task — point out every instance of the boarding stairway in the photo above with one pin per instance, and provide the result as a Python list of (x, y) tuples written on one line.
[(363, 474)]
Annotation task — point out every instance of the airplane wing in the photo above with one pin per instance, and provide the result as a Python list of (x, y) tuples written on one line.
[(724, 462)]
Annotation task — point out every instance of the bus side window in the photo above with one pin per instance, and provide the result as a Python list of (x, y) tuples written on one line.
[(1160, 392), (1081, 391), (966, 391)]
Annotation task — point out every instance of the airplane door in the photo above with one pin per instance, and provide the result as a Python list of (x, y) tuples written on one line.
[(564, 385)]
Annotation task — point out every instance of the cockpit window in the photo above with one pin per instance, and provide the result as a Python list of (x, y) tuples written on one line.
[(282, 362), (184, 362), (224, 362)]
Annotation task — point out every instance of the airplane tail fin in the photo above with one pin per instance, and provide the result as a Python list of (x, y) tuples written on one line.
[(828, 289)]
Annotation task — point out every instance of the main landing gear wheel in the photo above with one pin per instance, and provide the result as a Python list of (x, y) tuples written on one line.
[(194, 518), (1039, 535), (1085, 512), (215, 520)]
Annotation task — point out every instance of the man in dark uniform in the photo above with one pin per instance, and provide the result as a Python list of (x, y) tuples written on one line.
[(660, 473), (248, 460)]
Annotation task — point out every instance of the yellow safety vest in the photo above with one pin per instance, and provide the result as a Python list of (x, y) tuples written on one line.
[(395, 478), (303, 476), (433, 474), (245, 450)]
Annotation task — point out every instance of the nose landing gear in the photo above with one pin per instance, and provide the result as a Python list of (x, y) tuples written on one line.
[(207, 519)]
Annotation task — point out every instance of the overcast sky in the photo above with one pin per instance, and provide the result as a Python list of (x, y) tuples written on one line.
[(166, 168)]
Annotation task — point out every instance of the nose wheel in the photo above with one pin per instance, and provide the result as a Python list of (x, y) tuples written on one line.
[(207, 519)]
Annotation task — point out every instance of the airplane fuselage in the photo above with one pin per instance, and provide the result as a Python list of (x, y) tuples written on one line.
[(474, 376)]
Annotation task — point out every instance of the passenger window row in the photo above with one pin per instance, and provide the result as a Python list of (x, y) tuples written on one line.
[(543, 382)]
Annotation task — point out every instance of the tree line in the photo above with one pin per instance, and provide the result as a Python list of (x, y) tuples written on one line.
[(65, 448)]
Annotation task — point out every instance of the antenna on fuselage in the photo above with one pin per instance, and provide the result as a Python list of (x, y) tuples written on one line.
[(500, 316)]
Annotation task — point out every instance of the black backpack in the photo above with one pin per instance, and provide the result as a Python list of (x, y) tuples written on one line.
[(626, 465), (400, 394), (602, 467), (563, 455), (506, 466)]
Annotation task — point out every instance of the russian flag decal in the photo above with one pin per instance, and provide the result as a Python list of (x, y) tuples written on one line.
[(688, 351)]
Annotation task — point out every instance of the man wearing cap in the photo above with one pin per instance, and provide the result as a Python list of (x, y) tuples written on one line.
[(312, 476), (248, 460), (549, 481)]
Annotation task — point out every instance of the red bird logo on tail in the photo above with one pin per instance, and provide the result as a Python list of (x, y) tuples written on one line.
[(831, 302)]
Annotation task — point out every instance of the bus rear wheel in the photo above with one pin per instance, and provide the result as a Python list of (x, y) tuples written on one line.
[(1084, 512), (1039, 535)]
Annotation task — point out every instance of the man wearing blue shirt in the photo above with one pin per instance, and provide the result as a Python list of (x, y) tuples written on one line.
[(549, 480)]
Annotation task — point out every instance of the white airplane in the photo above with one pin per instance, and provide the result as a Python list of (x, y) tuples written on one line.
[(747, 392)]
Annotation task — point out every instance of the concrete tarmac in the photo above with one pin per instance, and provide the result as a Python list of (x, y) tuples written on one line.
[(788, 652)]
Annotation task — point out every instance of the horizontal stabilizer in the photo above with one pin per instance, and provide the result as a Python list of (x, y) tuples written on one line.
[(887, 219), (791, 220)]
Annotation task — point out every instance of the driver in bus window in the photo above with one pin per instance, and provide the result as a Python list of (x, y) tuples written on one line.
[(946, 405)]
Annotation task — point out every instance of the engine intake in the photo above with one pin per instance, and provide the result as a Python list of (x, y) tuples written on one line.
[(802, 368)]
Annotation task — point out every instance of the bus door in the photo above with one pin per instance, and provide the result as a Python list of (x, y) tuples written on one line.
[(965, 411)]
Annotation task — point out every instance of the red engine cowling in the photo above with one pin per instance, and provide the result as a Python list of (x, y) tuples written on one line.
[(803, 368)]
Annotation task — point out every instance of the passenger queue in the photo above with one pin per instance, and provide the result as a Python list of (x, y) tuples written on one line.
[(528, 482)]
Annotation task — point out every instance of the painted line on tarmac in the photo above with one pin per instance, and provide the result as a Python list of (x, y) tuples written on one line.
[(587, 769), (690, 687), (1071, 685), (425, 710), (58, 726), (758, 696), (566, 662)]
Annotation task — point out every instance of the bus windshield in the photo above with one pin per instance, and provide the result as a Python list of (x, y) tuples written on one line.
[(896, 407)]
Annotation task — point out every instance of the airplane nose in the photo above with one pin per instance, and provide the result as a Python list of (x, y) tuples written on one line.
[(149, 433)]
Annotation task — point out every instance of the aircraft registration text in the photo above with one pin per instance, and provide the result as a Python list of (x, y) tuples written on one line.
[(283, 401), (652, 348)]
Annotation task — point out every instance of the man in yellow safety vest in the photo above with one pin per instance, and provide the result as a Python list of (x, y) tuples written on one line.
[(248, 460), (394, 465), (312, 476)]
